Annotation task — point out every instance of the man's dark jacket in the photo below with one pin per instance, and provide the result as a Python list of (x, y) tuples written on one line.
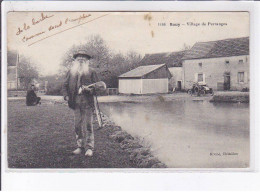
[(70, 86)]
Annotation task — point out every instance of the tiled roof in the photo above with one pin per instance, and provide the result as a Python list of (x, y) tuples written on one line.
[(141, 71), (220, 48), (171, 59)]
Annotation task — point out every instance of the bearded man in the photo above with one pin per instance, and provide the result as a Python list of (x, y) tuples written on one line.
[(81, 102)]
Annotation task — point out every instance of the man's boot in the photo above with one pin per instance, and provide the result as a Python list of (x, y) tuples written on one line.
[(89, 153), (77, 151)]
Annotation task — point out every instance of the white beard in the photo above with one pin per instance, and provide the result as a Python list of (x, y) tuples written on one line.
[(81, 69)]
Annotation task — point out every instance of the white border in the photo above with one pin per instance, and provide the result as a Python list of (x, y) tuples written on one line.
[(100, 179)]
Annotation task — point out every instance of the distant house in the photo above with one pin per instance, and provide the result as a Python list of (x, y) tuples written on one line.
[(222, 64), (173, 60), (145, 80), (12, 74)]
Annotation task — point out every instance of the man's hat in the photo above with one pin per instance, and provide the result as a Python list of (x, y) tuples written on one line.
[(81, 53)]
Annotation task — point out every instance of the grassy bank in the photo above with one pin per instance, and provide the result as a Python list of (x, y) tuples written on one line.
[(43, 137), (232, 97)]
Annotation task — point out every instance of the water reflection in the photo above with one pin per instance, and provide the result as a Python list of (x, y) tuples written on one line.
[(183, 133)]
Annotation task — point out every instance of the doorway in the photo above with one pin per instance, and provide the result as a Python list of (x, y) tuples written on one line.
[(179, 85), (227, 81)]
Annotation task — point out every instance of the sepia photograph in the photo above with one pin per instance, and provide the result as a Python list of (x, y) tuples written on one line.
[(128, 90)]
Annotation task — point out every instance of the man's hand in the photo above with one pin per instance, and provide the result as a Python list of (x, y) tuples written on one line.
[(66, 98), (88, 89), (80, 90)]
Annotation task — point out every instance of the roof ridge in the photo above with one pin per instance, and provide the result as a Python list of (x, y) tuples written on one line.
[(157, 53), (143, 66), (223, 39), (219, 48), (167, 52), (151, 65)]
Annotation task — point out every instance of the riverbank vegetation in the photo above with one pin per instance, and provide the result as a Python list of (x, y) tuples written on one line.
[(231, 97)]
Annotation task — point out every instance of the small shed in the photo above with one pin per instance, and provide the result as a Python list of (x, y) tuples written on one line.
[(147, 79), (173, 60)]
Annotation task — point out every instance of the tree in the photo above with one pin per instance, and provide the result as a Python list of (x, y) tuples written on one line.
[(108, 65), (27, 72), (55, 84), (95, 46), (186, 47)]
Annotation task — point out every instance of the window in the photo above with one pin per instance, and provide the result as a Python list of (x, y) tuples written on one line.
[(241, 61), (227, 62), (240, 76), (200, 64), (200, 77)]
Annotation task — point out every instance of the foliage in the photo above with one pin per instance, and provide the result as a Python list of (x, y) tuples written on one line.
[(95, 47), (54, 89), (27, 72), (109, 65), (55, 84)]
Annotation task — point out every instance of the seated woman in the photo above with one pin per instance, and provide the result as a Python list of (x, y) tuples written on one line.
[(31, 97)]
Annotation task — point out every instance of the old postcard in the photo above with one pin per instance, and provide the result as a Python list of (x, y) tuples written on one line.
[(128, 90)]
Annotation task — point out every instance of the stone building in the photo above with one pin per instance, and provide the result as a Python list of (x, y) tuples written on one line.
[(173, 60), (147, 79), (12, 72), (222, 64)]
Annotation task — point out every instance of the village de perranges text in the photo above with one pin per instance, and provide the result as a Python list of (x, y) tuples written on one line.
[(192, 24)]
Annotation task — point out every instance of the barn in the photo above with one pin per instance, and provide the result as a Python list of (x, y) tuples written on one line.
[(173, 60), (146, 79)]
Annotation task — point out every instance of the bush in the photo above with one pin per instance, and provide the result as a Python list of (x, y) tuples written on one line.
[(245, 90), (54, 89)]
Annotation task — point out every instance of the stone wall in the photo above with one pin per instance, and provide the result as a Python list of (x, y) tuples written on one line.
[(214, 70)]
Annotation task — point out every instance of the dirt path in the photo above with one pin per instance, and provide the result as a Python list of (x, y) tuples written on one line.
[(43, 137), (129, 98)]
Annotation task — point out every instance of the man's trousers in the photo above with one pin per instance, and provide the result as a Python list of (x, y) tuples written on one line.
[(83, 120)]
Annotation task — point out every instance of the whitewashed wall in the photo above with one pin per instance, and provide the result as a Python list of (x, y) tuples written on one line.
[(177, 75), (11, 85), (155, 86), (130, 86), (143, 86), (213, 70)]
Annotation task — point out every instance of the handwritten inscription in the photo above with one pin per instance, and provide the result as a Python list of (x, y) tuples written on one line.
[(55, 26), (25, 28), (42, 18), (35, 21), (26, 38), (79, 19)]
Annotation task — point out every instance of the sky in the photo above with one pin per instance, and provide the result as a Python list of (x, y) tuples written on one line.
[(45, 37)]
